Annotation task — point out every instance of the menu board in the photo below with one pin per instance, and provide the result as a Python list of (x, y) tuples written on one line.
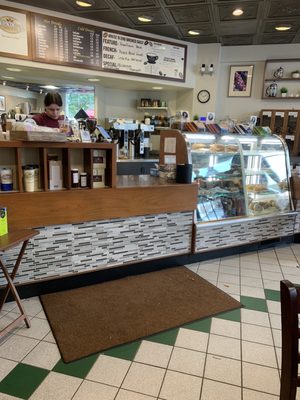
[(143, 56), (14, 33), (65, 42)]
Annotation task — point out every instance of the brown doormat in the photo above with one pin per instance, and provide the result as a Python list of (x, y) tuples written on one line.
[(94, 318)]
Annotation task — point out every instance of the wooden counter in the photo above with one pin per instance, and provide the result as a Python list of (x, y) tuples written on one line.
[(133, 196)]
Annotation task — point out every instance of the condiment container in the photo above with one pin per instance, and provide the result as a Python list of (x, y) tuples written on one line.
[(6, 179), (83, 179), (74, 177), (29, 177)]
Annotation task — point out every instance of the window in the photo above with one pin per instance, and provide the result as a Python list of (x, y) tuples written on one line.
[(77, 99)]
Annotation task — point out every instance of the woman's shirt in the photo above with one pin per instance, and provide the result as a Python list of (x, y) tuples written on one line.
[(43, 120)]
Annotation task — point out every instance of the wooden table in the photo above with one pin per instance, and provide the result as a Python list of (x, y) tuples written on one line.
[(8, 241)]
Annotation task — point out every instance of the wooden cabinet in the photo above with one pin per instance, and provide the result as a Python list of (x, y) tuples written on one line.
[(83, 156), (285, 123), (279, 72)]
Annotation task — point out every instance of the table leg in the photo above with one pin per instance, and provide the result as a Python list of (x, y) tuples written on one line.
[(11, 286)]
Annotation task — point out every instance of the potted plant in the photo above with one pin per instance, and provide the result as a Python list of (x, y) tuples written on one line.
[(283, 91), (296, 74)]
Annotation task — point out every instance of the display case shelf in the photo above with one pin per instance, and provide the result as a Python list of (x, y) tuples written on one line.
[(152, 108)]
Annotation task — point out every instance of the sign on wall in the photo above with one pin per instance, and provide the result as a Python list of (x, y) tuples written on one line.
[(138, 55), (14, 33)]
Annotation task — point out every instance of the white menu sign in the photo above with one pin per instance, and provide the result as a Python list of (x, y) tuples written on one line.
[(13, 33), (138, 55)]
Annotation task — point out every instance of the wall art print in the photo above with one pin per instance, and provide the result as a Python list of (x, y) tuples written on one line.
[(240, 80)]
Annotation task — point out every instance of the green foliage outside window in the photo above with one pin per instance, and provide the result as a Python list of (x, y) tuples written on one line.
[(77, 100)]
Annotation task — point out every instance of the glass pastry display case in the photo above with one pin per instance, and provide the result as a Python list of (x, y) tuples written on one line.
[(239, 176)]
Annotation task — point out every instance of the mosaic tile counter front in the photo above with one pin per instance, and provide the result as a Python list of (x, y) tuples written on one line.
[(67, 249)]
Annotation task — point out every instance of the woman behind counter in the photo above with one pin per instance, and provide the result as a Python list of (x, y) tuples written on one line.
[(50, 117)]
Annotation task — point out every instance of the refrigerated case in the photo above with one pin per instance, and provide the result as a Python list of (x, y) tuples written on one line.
[(239, 176)]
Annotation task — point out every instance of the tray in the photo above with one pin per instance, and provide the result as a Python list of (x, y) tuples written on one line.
[(36, 136)]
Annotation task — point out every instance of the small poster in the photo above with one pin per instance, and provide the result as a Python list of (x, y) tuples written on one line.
[(14, 33)]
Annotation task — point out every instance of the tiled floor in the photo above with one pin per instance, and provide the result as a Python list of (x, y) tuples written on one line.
[(234, 356)]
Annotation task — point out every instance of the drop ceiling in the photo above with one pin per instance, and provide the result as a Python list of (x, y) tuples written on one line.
[(213, 18)]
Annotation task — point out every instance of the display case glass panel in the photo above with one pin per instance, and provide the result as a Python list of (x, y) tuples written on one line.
[(239, 176), (218, 170)]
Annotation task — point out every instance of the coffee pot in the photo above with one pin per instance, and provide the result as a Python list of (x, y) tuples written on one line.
[(278, 74), (271, 90)]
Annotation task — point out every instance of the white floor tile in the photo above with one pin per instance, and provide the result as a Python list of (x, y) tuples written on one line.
[(225, 327), (250, 273), (212, 390), (32, 306), (272, 276), (274, 307), (211, 276), (193, 340), (153, 354), (178, 386), (9, 306), (229, 288), (226, 278), (261, 378), (17, 347), (270, 267), (253, 395), (257, 334), (275, 321), (56, 387), (274, 285), (249, 281), (127, 395), (224, 346), (5, 367), (49, 338), (277, 337), (44, 355), (7, 397), (144, 379), (8, 318), (109, 370), (226, 269), (223, 369), (255, 317), (95, 391), (259, 354), (38, 330), (251, 291), (187, 361)]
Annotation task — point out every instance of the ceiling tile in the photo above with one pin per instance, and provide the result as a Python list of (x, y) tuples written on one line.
[(202, 39), (237, 28), (190, 14), (182, 2), (284, 8), (99, 5), (237, 40), (165, 30), (134, 3), (250, 11), (156, 14), (276, 39), (110, 17), (56, 5)]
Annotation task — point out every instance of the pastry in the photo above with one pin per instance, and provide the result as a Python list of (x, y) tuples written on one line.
[(215, 147), (198, 146)]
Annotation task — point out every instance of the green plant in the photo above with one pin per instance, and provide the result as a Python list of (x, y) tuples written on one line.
[(283, 90), (196, 117), (296, 71)]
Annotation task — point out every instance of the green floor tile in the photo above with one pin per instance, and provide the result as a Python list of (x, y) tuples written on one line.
[(126, 351), (168, 337), (234, 315), (79, 368), (253, 303), (272, 294), (23, 380), (202, 325)]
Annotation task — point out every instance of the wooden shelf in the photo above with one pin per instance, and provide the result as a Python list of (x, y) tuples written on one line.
[(281, 98), (281, 79), (152, 108)]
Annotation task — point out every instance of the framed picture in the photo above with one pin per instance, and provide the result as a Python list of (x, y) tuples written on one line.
[(85, 136), (240, 80), (2, 103)]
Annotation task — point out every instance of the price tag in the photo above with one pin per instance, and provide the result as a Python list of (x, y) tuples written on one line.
[(290, 137), (279, 114), (293, 114), (267, 113)]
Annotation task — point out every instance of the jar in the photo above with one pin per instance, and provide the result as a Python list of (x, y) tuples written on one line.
[(29, 172), (36, 169), (74, 177), (6, 179), (83, 179)]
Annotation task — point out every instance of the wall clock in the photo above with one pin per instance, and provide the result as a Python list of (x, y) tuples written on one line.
[(203, 96)]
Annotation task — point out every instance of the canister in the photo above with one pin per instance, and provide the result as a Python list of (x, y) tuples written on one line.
[(6, 179), (83, 179), (29, 177), (74, 177)]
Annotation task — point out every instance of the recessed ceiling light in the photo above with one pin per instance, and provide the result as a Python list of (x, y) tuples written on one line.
[(50, 87), (194, 32), (93, 79), (157, 87), (85, 3), (144, 18), (237, 12), (7, 77), (12, 69), (283, 28)]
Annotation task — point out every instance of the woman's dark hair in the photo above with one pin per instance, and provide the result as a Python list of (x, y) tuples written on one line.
[(53, 98)]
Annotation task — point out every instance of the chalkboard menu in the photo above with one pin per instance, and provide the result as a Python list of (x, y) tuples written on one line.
[(137, 55), (66, 42)]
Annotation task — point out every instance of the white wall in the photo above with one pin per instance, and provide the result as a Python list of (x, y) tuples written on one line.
[(14, 97)]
